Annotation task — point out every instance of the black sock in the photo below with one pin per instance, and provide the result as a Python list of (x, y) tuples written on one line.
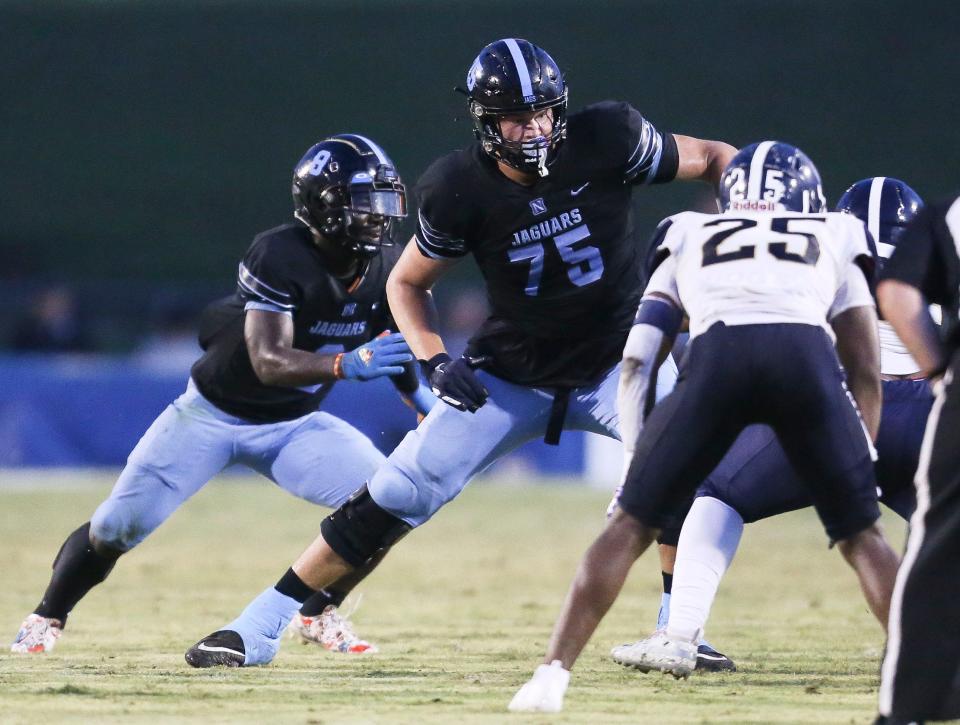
[(294, 587), (315, 605), (667, 582), (77, 569)]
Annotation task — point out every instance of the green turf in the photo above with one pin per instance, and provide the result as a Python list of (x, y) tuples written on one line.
[(462, 611)]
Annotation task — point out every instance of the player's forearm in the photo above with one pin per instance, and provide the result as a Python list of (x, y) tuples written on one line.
[(416, 316), (905, 308), (702, 159), (646, 348), (867, 391), (858, 347), (292, 368)]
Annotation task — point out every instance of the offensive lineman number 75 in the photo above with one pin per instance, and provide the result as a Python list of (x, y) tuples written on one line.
[(585, 265)]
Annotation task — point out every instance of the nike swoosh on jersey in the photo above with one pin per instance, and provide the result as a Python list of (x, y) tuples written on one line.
[(574, 192), (206, 648)]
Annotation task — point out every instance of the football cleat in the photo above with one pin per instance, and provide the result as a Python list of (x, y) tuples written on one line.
[(223, 648), (331, 630), (709, 660), (658, 652), (37, 634), (544, 691)]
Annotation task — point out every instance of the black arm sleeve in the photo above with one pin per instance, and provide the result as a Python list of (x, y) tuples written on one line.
[(918, 259), (407, 382)]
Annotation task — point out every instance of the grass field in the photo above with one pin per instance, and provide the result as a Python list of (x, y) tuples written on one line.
[(462, 611)]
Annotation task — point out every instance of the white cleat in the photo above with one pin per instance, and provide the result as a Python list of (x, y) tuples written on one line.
[(544, 692), (37, 634), (658, 652), (331, 630)]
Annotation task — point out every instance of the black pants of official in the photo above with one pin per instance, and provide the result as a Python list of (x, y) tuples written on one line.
[(921, 670)]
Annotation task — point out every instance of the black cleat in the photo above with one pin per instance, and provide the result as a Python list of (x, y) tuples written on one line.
[(709, 660), (223, 648)]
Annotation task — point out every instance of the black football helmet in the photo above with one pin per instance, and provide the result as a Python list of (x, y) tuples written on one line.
[(348, 190), (514, 76)]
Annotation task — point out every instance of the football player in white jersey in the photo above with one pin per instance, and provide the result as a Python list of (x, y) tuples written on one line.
[(755, 480), (766, 285)]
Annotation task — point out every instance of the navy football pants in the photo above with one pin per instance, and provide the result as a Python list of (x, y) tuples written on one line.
[(756, 480), (786, 376)]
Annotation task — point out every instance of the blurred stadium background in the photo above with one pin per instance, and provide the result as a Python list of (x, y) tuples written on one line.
[(143, 144)]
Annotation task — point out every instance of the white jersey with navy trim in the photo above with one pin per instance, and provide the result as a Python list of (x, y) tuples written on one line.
[(895, 359), (744, 268)]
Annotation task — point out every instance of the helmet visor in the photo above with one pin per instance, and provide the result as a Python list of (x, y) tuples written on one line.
[(386, 199)]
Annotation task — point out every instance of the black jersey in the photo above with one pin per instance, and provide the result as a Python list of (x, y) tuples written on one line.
[(284, 271), (560, 259), (928, 258)]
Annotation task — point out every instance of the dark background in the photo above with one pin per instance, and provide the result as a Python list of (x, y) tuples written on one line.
[(143, 144)]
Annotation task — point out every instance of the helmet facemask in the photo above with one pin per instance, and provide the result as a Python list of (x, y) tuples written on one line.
[(358, 215), (531, 155)]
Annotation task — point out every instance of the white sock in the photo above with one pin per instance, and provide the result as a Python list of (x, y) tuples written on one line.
[(708, 542)]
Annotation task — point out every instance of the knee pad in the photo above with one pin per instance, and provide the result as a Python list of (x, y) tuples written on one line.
[(79, 547), (360, 528)]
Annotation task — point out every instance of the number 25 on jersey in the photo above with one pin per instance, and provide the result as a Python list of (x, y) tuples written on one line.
[(803, 248)]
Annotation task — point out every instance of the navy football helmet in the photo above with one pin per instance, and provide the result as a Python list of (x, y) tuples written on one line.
[(885, 205), (771, 176), (348, 190), (513, 76)]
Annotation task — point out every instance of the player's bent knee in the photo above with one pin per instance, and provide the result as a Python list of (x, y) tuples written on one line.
[(360, 528), (633, 532), (863, 536), (396, 492), (114, 528)]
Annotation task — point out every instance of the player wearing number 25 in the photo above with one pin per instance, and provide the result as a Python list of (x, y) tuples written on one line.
[(777, 292)]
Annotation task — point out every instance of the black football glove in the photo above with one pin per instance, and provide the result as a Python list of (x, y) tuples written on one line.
[(454, 382)]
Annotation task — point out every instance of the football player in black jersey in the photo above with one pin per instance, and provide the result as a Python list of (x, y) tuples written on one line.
[(542, 201), (310, 309), (919, 679)]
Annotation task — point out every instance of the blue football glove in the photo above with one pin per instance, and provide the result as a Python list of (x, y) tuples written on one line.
[(384, 355), (454, 382)]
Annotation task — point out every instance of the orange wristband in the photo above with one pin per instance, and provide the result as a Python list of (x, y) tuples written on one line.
[(338, 366)]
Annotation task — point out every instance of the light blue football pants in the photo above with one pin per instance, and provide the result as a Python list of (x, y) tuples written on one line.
[(434, 462), (318, 457)]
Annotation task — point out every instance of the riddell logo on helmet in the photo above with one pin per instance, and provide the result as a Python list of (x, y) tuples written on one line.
[(754, 205)]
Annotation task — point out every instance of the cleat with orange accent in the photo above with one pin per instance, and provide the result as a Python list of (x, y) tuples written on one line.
[(37, 634), (331, 630)]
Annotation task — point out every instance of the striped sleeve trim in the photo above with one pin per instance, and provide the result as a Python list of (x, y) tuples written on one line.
[(260, 290), (265, 307), (436, 244), (644, 162)]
